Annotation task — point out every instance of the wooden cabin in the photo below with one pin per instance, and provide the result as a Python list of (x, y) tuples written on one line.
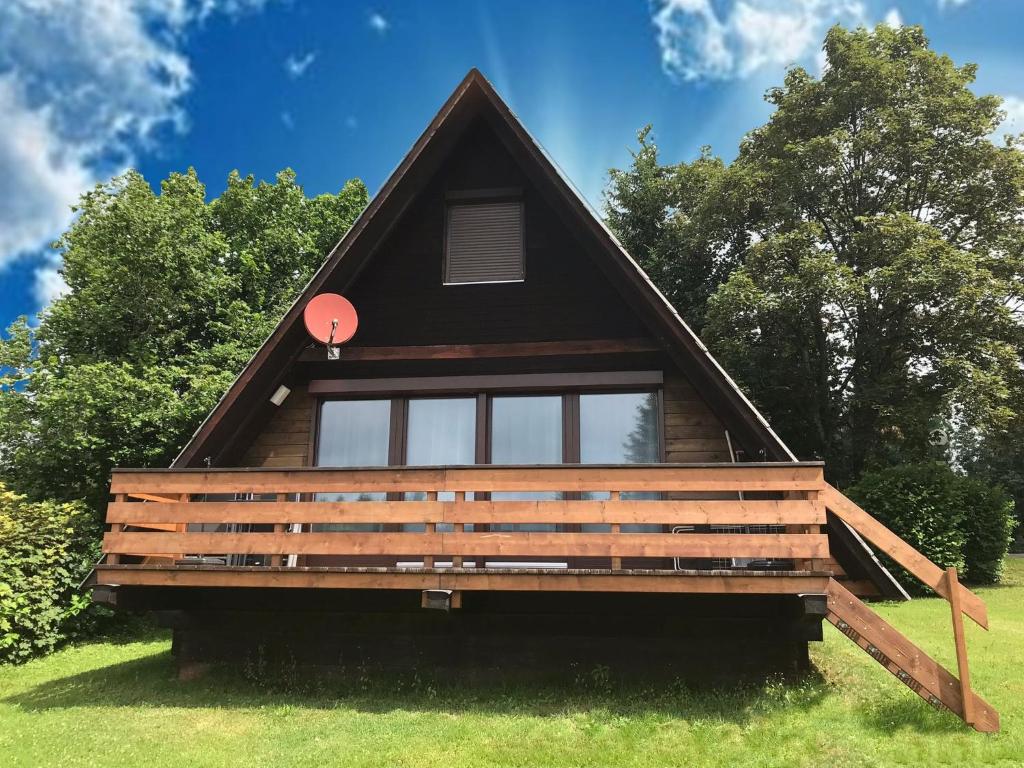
[(523, 457)]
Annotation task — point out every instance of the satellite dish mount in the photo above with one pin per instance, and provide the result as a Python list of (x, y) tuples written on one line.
[(330, 320)]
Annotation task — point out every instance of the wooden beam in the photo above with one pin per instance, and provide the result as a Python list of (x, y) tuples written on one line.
[(569, 580), (613, 511), (660, 477), (898, 653), (518, 382), (920, 566), (476, 351), (531, 544), (961, 646)]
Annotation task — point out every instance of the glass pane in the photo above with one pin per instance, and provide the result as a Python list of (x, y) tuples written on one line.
[(353, 433), (526, 430), (440, 431), (620, 428)]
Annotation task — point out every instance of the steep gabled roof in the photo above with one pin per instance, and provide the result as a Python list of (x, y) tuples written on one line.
[(475, 98)]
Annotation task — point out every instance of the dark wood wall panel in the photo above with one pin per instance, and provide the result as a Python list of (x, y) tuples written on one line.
[(401, 299), (284, 439), (692, 432)]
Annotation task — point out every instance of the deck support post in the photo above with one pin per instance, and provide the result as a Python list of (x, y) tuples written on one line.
[(275, 560), (615, 528), (963, 671)]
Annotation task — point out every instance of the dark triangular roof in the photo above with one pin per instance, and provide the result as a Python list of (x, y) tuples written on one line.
[(473, 99)]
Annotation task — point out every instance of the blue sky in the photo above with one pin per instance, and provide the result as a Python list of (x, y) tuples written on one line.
[(341, 89)]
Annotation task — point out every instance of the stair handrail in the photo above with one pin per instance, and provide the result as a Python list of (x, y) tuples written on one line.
[(900, 551)]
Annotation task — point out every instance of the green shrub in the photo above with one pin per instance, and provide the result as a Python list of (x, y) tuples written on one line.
[(952, 519), (989, 525), (46, 549)]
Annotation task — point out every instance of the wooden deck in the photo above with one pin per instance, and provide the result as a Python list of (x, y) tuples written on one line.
[(664, 528), (743, 529)]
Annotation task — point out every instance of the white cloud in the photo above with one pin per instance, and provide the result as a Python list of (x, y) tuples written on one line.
[(893, 18), (287, 120), (84, 85), (49, 284), (296, 66), (1013, 123), (944, 4), (378, 23), (701, 40)]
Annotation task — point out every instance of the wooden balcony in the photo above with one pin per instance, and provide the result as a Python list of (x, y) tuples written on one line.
[(750, 528)]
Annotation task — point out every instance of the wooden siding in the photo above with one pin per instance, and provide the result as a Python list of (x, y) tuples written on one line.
[(284, 439), (692, 432), (401, 298)]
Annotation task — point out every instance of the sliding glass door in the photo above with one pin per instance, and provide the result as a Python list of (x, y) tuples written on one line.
[(526, 430), (353, 433), (620, 428), (439, 430)]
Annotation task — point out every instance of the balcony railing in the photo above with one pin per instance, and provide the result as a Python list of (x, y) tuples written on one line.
[(594, 520)]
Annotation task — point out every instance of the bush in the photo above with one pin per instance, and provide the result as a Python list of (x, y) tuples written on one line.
[(989, 525), (46, 550), (953, 520)]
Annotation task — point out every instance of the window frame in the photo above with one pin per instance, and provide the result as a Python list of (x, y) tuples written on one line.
[(399, 422)]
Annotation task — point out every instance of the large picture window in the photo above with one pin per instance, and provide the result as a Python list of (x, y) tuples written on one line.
[(566, 428)]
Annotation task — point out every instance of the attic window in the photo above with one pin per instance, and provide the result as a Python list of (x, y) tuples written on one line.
[(484, 242)]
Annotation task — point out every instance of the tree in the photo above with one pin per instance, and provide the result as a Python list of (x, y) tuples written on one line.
[(881, 257), (169, 296), (688, 224)]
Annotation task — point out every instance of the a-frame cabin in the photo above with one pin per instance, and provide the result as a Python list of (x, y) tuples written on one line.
[(522, 433)]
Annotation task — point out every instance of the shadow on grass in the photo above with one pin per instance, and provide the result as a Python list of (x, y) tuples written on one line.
[(151, 681), (909, 712)]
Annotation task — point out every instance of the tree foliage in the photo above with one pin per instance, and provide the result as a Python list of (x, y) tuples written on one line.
[(46, 549), (871, 238), (169, 295), (953, 520)]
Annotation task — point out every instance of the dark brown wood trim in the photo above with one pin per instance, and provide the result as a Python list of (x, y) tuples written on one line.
[(472, 351), (488, 194), (660, 393), (520, 382)]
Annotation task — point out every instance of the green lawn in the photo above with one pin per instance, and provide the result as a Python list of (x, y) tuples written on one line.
[(111, 703)]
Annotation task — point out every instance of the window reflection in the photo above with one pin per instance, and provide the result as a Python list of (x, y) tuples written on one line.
[(619, 428), (353, 433), (440, 431), (526, 430)]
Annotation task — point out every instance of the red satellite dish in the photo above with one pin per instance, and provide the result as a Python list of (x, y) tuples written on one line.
[(330, 319)]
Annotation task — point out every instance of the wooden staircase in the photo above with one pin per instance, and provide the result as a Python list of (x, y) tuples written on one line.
[(876, 637)]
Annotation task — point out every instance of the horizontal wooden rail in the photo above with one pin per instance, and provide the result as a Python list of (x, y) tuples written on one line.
[(698, 511), (729, 478), (900, 551), (716, 512), (503, 544)]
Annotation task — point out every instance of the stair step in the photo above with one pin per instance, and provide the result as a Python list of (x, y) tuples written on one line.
[(908, 663)]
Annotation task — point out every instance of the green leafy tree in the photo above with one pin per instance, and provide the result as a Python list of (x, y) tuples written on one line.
[(687, 224), (169, 295), (873, 238), (46, 549)]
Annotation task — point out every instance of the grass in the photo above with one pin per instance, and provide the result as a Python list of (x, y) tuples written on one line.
[(119, 704)]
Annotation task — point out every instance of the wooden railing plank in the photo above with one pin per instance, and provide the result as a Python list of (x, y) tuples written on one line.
[(917, 564), (727, 477), (686, 512), (960, 643), (505, 544)]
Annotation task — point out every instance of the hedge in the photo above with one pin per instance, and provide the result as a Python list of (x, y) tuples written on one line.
[(46, 550), (952, 519)]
